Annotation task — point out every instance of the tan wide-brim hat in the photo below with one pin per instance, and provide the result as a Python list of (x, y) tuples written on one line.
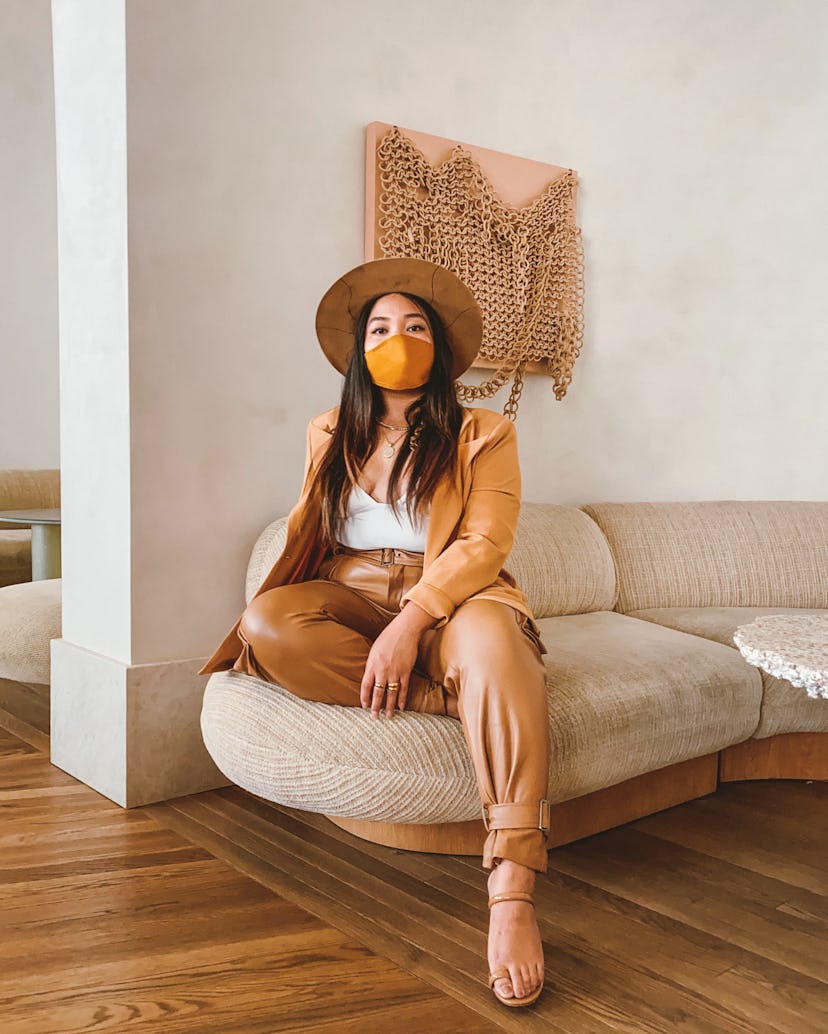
[(338, 311)]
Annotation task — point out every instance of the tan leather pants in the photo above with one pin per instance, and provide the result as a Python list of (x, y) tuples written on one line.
[(313, 639)]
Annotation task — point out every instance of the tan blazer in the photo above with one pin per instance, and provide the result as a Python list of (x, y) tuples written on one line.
[(471, 527)]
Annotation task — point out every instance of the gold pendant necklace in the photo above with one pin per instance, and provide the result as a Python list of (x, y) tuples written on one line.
[(390, 447)]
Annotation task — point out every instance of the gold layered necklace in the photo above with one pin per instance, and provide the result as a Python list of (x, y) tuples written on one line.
[(391, 446)]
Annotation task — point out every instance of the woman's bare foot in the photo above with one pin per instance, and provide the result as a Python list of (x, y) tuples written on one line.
[(514, 937)]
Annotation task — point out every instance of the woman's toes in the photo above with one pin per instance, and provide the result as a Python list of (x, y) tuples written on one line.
[(531, 979), (504, 988)]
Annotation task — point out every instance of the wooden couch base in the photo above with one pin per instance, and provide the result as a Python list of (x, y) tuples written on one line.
[(27, 701), (570, 820), (789, 755), (793, 755)]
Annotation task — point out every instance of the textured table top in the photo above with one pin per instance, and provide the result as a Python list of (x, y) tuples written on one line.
[(789, 646)]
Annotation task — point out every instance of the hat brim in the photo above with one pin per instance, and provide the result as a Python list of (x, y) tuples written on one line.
[(447, 294)]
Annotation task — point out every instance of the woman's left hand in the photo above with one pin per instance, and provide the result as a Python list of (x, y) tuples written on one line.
[(391, 660)]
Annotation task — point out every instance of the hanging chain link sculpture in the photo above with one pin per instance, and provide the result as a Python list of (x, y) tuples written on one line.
[(523, 265)]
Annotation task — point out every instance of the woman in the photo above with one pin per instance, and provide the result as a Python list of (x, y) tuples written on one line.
[(390, 591)]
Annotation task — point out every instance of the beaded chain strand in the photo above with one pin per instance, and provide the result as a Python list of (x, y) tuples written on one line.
[(524, 266)]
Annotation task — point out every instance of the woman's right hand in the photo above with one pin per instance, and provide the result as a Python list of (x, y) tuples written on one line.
[(391, 660)]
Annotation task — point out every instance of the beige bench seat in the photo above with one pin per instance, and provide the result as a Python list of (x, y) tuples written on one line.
[(637, 604), (628, 697), (625, 697), (785, 708), (30, 616)]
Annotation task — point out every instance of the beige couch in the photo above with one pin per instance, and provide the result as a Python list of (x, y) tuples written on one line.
[(23, 490), (650, 703)]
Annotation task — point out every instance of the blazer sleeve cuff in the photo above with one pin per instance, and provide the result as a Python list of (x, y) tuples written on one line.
[(433, 601)]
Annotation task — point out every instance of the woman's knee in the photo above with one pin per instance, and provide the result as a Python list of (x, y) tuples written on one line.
[(489, 655), (484, 633), (276, 622)]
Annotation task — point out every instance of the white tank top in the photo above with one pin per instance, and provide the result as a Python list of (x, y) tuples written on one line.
[(372, 525)]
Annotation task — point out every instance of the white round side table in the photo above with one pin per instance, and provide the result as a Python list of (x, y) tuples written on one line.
[(789, 646), (45, 525)]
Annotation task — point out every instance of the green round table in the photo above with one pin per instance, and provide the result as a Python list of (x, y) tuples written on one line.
[(45, 539)]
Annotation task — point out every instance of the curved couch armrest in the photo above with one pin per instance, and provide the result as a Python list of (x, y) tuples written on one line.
[(265, 553)]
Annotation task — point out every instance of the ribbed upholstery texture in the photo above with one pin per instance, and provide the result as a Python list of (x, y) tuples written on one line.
[(716, 623), (266, 551), (337, 760), (30, 616), (560, 559), (717, 554), (625, 697), (628, 697), (785, 708)]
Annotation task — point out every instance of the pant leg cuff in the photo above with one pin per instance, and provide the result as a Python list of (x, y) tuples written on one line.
[(525, 846)]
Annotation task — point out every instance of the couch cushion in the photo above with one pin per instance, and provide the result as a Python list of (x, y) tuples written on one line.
[(625, 697), (716, 623), (30, 617), (628, 697), (328, 758), (560, 559), (717, 554), (267, 549), (15, 556), (785, 708)]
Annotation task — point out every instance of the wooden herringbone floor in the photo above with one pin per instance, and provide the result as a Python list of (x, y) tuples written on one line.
[(223, 913)]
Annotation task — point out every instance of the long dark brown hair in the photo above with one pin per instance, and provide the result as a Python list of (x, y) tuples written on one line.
[(434, 424)]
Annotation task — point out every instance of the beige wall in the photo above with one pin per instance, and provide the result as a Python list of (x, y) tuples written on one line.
[(28, 248), (210, 188), (696, 132)]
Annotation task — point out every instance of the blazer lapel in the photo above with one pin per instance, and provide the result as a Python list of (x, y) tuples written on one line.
[(449, 497)]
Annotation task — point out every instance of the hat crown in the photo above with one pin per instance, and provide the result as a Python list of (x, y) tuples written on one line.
[(450, 298)]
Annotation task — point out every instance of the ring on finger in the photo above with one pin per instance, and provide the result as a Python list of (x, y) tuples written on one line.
[(392, 688), (379, 685)]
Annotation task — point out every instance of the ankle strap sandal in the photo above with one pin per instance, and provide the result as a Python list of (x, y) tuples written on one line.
[(502, 971), (511, 895)]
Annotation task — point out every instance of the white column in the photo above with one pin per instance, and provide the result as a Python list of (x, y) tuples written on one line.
[(125, 695)]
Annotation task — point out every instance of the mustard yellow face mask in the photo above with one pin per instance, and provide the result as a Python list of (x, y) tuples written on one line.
[(400, 362)]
